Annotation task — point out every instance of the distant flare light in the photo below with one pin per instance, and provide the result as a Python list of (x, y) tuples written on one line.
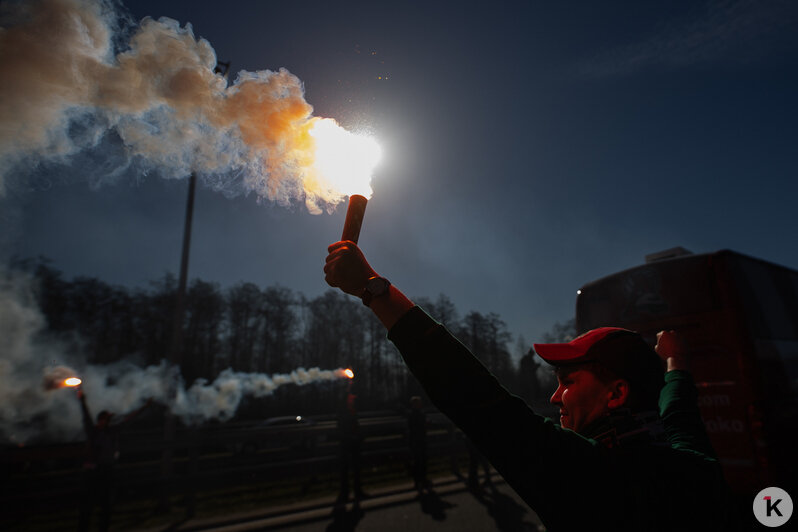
[(345, 373), (59, 377), (343, 160)]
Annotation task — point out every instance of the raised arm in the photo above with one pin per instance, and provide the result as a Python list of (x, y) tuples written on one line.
[(678, 400), (523, 446), (88, 423)]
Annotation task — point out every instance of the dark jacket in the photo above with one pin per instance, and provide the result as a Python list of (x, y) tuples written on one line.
[(571, 482), (102, 442), (417, 429)]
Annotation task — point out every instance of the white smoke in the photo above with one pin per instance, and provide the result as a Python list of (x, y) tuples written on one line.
[(65, 91), (220, 399), (25, 406), (34, 408)]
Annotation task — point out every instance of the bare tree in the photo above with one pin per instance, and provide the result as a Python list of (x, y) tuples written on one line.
[(155, 310), (205, 309), (487, 338), (442, 309), (560, 332), (279, 325), (243, 325), (271, 330)]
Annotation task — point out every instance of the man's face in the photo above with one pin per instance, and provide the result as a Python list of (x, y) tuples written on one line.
[(581, 397)]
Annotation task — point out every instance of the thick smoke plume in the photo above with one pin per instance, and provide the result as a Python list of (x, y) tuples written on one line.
[(34, 408), (66, 89)]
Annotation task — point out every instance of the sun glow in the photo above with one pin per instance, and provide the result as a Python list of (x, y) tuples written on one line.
[(345, 161)]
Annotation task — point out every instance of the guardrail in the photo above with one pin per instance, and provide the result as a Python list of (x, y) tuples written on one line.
[(48, 476)]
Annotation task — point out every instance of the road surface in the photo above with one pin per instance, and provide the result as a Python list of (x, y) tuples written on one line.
[(450, 507)]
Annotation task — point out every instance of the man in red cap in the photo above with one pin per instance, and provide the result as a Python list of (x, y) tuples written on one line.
[(601, 372), (613, 463)]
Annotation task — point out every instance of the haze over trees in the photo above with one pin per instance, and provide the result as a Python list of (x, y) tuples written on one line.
[(269, 330)]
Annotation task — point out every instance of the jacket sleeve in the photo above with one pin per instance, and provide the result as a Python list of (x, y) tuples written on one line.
[(531, 452), (678, 405)]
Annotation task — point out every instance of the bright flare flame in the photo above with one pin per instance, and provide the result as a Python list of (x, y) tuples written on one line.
[(72, 381), (344, 161), (349, 374)]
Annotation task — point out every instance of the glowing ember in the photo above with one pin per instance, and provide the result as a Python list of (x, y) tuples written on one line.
[(344, 161), (349, 374), (72, 381)]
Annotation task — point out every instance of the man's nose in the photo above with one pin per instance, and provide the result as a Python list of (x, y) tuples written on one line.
[(556, 397)]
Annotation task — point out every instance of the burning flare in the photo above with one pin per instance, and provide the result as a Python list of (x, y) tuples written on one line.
[(344, 161), (349, 374), (59, 377), (155, 103)]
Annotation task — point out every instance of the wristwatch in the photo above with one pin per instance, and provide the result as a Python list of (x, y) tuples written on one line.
[(375, 287)]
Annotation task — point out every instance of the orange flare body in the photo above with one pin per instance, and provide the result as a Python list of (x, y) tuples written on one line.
[(354, 218)]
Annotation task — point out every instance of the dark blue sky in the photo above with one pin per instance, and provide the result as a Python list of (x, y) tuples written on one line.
[(530, 147)]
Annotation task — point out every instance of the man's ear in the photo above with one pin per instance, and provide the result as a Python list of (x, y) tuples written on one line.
[(618, 394)]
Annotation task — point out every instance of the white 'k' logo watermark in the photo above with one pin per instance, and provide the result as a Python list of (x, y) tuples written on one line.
[(772, 507)]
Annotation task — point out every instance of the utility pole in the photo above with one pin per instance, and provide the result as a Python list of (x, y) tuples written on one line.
[(176, 351)]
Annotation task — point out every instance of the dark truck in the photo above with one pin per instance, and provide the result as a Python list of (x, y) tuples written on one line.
[(739, 316)]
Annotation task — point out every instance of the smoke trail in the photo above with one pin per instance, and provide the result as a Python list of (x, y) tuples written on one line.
[(65, 90), (34, 408), (219, 400)]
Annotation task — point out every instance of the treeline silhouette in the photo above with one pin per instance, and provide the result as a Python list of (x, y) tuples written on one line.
[(261, 329)]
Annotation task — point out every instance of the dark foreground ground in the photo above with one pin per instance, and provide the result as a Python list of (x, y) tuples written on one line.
[(303, 501), (450, 506)]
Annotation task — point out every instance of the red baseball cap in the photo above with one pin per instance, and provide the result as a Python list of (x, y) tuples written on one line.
[(622, 351)]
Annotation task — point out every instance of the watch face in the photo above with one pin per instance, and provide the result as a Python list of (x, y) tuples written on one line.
[(377, 286)]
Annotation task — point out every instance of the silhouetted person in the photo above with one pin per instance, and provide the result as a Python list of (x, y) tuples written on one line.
[(102, 450), (528, 375), (475, 461), (417, 439), (349, 433)]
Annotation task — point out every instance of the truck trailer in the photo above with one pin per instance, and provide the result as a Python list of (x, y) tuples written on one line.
[(739, 316)]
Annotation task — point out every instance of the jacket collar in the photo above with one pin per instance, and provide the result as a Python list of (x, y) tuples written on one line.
[(622, 428)]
